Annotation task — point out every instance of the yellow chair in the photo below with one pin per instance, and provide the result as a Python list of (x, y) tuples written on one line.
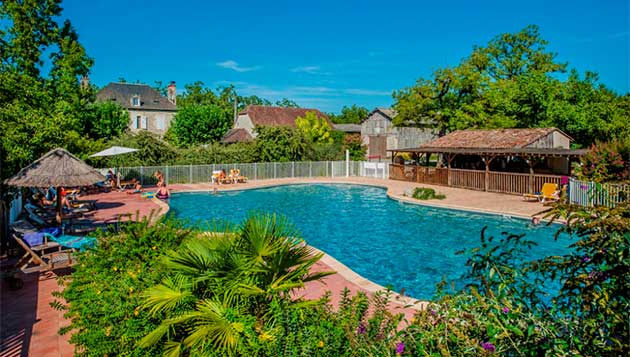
[(549, 191)]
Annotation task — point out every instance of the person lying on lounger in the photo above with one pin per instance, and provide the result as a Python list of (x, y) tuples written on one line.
[(137, 187)]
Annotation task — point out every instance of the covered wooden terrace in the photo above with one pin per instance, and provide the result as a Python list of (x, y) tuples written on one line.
[(481, 179)]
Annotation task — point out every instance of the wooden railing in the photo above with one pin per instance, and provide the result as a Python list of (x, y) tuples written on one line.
[(471, 179), (503, 182)]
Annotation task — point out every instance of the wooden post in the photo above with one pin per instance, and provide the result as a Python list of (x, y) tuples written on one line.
[(530, 185), (487, 160)]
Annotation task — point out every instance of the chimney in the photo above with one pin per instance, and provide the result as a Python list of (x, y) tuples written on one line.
[(171, 91), (85, 82)]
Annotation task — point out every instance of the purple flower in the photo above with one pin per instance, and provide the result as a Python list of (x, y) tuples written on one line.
[(586, 259), (400, 347), (488, 347), (506, 310), (361, 329)]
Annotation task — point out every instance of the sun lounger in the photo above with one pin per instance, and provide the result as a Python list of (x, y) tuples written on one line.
[(41, 254), (549, 192)]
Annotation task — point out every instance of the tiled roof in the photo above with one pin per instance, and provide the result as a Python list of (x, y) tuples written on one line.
[(348, 128), (389, 112), (236, 136), (490, 139), (278, 116), (122, 93)]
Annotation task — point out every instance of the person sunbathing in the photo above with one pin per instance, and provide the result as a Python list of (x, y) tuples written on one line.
[(137, 187)]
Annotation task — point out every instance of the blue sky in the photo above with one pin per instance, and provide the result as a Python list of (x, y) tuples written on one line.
[(326, 54)]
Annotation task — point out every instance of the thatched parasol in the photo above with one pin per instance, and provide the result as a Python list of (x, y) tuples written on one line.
[(58, 168)]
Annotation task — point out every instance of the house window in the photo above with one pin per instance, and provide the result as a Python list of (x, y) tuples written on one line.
[(136, 123), (144, 123), (159, 122), (135, 101)]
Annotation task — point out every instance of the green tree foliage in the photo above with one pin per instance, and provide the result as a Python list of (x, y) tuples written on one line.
[(200, 124), (220, 287), (279, 144), (39, 113), (103, 294), (350, 115), (605, 162), (512, 82), (109, 120), (354, 145), (314, 128), (152, 151), (287, 103)]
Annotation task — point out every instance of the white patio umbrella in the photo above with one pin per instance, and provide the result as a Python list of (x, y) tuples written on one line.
[(114, 151)]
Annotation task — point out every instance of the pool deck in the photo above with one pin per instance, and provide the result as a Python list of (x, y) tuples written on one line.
[(29, 325)]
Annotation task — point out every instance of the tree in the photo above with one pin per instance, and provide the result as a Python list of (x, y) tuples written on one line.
[(39, 113), (279, 143), (350, 115), (109, 120), (200, 124), (511, 83), (314, 128), (287, 103)]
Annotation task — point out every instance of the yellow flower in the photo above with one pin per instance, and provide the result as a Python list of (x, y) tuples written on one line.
[(320, 344), (154, 247), (108, 331), (115, 269), (130, 290), (136, 312)]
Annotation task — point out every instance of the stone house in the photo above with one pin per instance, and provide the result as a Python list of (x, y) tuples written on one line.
[(262, 115), (379, 134), (148, 109)]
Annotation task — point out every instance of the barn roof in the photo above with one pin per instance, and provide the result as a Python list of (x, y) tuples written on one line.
[(236, 135), (491, 139), (263, 115)]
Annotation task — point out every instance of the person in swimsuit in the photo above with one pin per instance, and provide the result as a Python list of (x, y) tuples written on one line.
[(163, 192)]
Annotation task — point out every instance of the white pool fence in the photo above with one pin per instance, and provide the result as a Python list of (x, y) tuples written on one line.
[(189, 174), (589, 194)]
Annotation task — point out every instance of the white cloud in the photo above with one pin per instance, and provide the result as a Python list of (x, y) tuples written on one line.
[(358, 91), (233, 65), (308, 69)]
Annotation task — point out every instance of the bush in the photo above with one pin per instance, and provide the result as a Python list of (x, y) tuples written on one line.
[(103, 292), (424, 193), (605, 162)]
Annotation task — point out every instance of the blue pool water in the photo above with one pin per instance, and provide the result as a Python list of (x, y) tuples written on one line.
[(388, 242)]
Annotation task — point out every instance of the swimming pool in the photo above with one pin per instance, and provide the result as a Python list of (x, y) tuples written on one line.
[(388, 242)]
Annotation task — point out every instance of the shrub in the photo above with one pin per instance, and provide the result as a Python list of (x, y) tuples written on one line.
[(424, 193), (103, 292), (604, 162)]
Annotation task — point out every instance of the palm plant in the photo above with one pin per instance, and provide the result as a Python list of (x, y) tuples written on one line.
[(220, 286)]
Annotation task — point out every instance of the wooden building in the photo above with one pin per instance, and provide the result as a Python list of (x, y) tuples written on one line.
[(502, 160)]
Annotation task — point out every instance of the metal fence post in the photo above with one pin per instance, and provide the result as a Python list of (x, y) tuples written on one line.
[(332, 169), (142, 175), (255, 172), (166, 175), (347, 163), (292, 169), (326, 164), (310, 169), (274, 170), (191, 174)]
